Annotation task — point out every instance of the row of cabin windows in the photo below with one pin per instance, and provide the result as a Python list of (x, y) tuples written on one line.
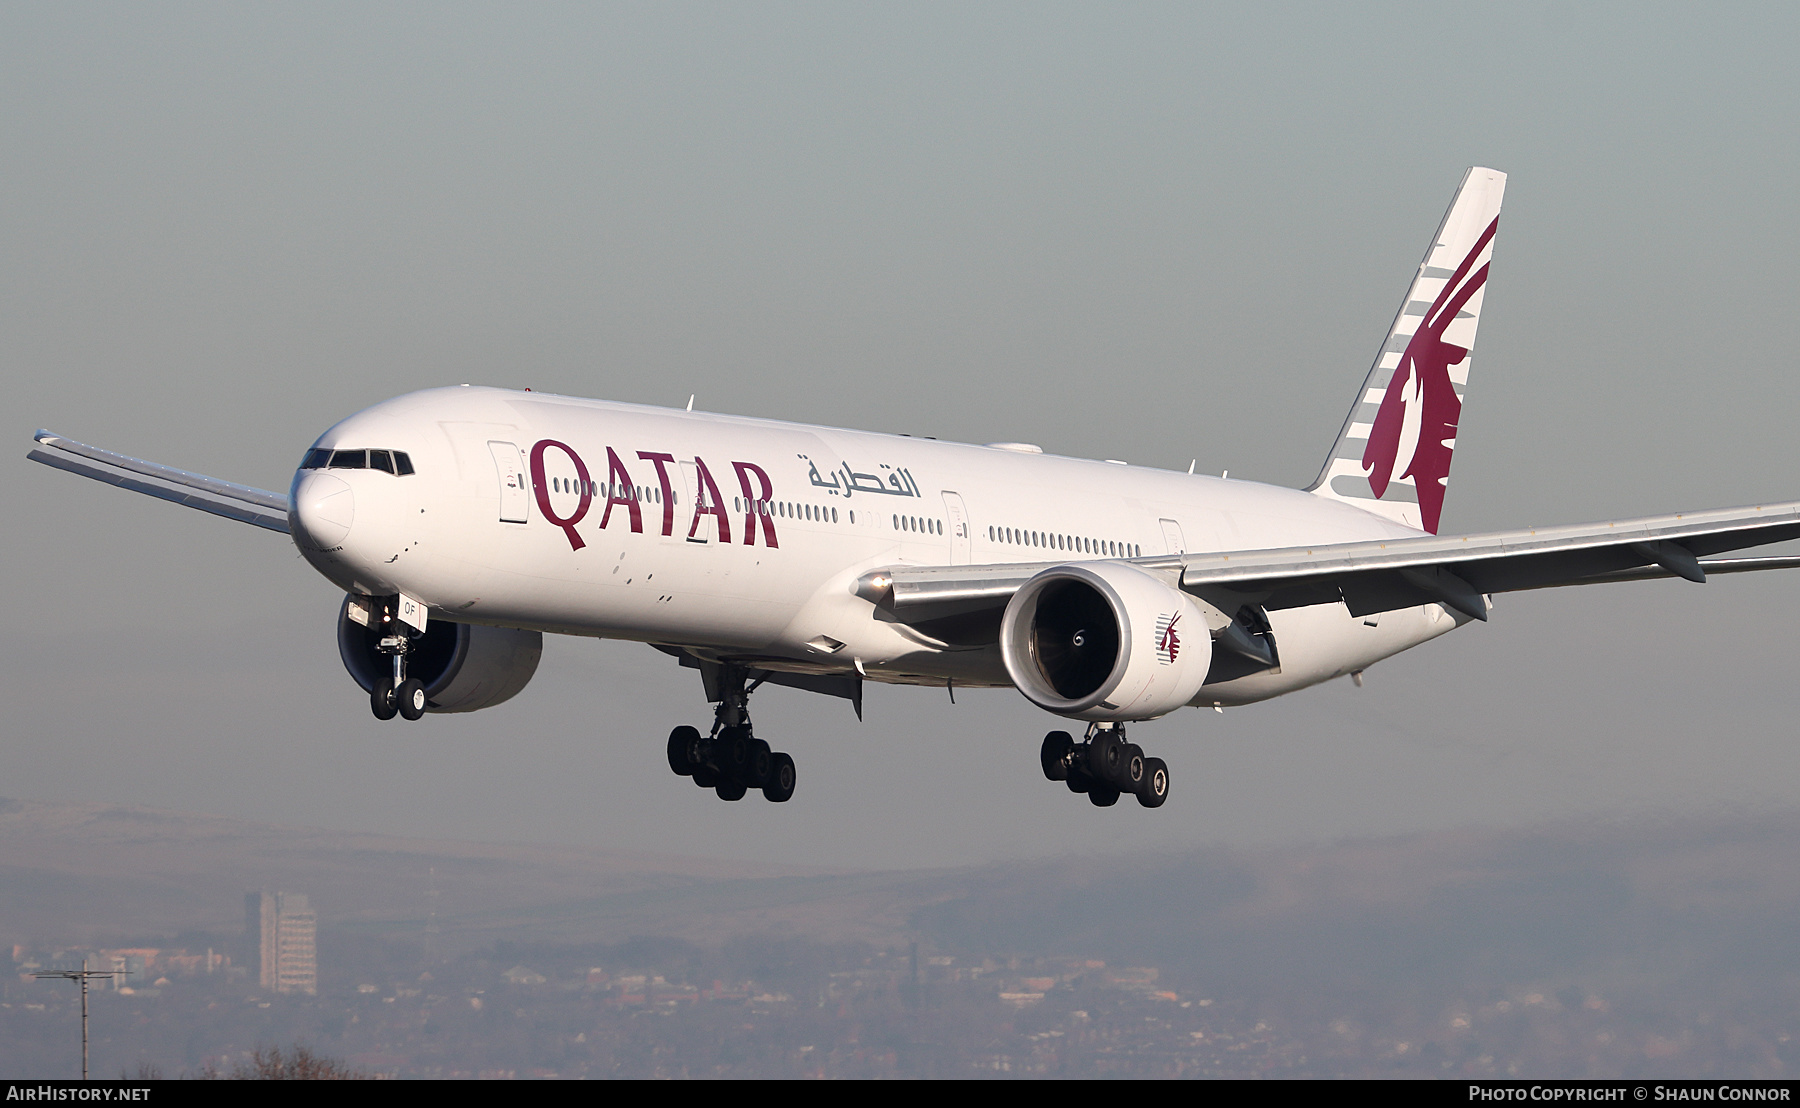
[(784, 509), (1105, 548), (387, 461), (649, 494), (819, 514), (399, 464), (919, 525)]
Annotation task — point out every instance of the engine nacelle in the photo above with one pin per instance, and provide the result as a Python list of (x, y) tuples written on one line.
[(464, 667), (1104, 641)]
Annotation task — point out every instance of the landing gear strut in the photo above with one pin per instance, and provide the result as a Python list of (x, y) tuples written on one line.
[(1105, 766), (396, 694), (732, 760)]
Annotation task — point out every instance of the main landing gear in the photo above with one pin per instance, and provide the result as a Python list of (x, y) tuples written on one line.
[(1105, 766), (732, 760)]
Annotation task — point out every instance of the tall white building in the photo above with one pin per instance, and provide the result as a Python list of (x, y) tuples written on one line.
[(284, 931)]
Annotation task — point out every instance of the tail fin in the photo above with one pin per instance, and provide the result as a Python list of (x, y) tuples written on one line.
[(1393, 455)]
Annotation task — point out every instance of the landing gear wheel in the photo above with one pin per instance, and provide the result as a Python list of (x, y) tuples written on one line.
[(684, 750), (734, 752), (410, 697), (1131, 769), (1054, 755), (1078, 780), (1106, 756), (1103, 796), (762, 764), (1155, 788), (781, 779), (733, 761), (381, 699)]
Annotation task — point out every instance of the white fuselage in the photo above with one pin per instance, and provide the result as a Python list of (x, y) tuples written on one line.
[(745, 537)]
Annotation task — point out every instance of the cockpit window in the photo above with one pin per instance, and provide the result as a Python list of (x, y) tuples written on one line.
[(388, 461)]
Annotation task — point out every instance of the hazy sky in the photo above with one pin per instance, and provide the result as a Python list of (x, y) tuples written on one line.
[(1147, 232)]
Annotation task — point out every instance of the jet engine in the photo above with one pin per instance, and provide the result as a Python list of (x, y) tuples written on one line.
[(1104, 641), (464, 667)]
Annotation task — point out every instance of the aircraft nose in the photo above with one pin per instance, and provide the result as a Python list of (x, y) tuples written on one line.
[(324, 508)]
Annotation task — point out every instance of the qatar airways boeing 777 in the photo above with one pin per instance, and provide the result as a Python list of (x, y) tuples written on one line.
[(464, 523)]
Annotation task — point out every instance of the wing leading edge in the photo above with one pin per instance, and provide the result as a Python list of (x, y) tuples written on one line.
[(208, 494), (1386, 575)]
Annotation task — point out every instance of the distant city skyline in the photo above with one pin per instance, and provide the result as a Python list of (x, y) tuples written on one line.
[(1645, 947)]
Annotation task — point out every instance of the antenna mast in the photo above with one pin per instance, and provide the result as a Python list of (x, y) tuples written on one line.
[(82, 976)]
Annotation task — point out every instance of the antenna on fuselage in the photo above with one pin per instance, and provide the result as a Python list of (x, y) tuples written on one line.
[(690, 406)]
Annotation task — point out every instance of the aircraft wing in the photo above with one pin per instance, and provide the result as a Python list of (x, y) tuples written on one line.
[(208, 494), (1389, 574)]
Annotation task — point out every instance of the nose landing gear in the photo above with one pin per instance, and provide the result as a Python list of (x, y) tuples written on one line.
[(396, 694), (732, 760), (1105, 766)]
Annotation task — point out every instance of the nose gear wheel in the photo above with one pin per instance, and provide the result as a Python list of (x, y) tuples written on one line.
[(395, 694)]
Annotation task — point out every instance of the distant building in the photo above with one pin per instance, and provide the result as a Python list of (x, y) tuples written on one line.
[(283, 931)]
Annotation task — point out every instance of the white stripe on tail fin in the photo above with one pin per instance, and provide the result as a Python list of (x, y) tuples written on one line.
[(1393, 455)]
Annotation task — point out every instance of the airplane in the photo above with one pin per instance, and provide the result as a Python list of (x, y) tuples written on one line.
[(464, 523)]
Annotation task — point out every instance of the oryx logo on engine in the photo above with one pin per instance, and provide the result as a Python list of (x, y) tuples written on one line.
[(1168, 641)]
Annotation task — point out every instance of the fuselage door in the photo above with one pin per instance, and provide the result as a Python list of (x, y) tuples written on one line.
[(956, 520), (691, 495), (1172, 536), (515, 489)]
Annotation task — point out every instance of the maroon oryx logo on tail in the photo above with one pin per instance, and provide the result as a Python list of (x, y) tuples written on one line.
[(1420, 404)]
